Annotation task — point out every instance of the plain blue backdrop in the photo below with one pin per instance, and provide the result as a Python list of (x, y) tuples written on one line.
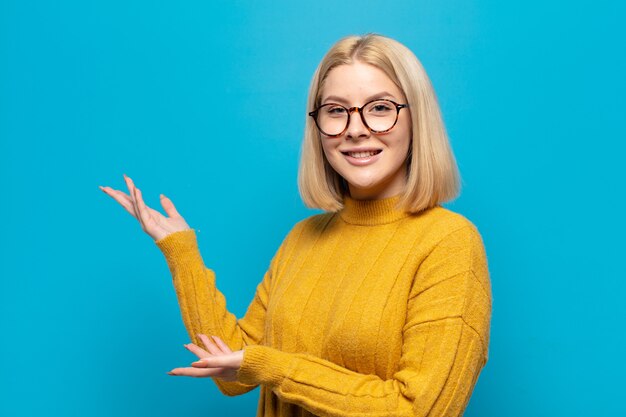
[(205, 102)]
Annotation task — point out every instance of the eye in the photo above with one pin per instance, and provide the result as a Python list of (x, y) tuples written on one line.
[(335, 110), (379, 108)]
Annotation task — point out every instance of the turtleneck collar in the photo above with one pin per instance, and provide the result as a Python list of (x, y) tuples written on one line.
[(371, 212)]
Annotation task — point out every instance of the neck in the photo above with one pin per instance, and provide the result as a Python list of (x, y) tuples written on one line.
[(357, 194), (387, 189), (372, 212)]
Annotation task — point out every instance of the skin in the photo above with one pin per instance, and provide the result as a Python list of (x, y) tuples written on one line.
[(216, 359), (349, 85), (353, 85)]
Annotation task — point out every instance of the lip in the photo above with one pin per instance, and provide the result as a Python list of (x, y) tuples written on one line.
[(360, 150), (362, 161)]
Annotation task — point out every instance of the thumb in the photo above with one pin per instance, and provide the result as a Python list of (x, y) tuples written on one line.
[(168, 206), (221, 361)]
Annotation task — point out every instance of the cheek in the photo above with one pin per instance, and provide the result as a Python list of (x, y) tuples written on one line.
[(407, 137), (329, 156), (329, 151), (325, 151)]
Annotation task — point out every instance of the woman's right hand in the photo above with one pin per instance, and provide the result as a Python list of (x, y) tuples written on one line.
[(152, 222)]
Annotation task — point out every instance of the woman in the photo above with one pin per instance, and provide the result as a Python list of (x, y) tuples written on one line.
[(379, 306)]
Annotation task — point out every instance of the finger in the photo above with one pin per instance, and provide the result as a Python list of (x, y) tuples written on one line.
[(196, 350), (137, 210), (123, 199), (131, 188), (141, 206), (131, 191), (215, 361), (139, 216), (168, 206), (210, 346), (220, 343), (201, 364), (195, 372)]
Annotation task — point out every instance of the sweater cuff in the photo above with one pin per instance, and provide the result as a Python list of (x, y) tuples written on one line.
[(264, 365), (180, 248)]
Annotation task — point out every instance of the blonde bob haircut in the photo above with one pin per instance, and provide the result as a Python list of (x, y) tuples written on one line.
[(432, 173)]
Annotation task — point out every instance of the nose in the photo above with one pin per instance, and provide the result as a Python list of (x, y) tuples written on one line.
[(356, 128)]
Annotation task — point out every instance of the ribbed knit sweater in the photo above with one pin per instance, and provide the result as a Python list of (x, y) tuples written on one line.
[(370, 311)]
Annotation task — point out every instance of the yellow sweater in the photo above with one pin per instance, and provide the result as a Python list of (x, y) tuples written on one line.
[(370, 311)]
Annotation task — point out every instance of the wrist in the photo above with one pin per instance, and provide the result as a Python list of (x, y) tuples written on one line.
[(179, 247), (264, 365)]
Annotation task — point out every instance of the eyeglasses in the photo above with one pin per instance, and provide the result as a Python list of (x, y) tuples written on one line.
[(379, 116)]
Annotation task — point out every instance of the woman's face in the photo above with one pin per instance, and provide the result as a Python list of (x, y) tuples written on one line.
[(369, 176)]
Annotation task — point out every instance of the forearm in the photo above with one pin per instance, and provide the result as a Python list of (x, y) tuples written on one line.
[(202, 306)]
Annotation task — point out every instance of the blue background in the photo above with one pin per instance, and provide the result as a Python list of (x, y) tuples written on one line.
[(532, 94)]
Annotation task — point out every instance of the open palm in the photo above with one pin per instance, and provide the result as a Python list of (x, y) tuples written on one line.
[(216, 361), (152, 222)]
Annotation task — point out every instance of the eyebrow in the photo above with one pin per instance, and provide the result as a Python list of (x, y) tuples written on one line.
[(376, 96)]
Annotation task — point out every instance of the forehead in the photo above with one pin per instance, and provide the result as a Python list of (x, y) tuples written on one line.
[(358, 81)]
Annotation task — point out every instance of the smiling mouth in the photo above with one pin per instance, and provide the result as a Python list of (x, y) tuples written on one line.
[(365, 154)]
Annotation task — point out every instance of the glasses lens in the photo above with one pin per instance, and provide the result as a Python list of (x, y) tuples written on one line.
[(332, 119), (380, 115)]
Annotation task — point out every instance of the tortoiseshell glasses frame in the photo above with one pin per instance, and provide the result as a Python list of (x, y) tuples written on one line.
[(349, 110)]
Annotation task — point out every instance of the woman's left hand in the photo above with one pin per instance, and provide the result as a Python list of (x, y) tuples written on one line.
[(216, 361)]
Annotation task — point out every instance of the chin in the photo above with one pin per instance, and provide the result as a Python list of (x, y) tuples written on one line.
[(362, 185), (366, 188)]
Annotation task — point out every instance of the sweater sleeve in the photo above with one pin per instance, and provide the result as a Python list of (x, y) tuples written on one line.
[(203, 306), (445, 339)]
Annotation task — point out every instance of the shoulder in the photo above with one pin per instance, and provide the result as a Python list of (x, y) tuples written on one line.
[(439, 223), (454, 261), (449, 242), (454, 246), (302, 233), (312, 224), (306, 228)]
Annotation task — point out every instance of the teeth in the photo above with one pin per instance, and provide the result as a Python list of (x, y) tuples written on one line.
[(362, 154)]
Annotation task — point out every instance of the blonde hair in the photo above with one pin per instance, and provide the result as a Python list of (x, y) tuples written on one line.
[(432, 177)]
